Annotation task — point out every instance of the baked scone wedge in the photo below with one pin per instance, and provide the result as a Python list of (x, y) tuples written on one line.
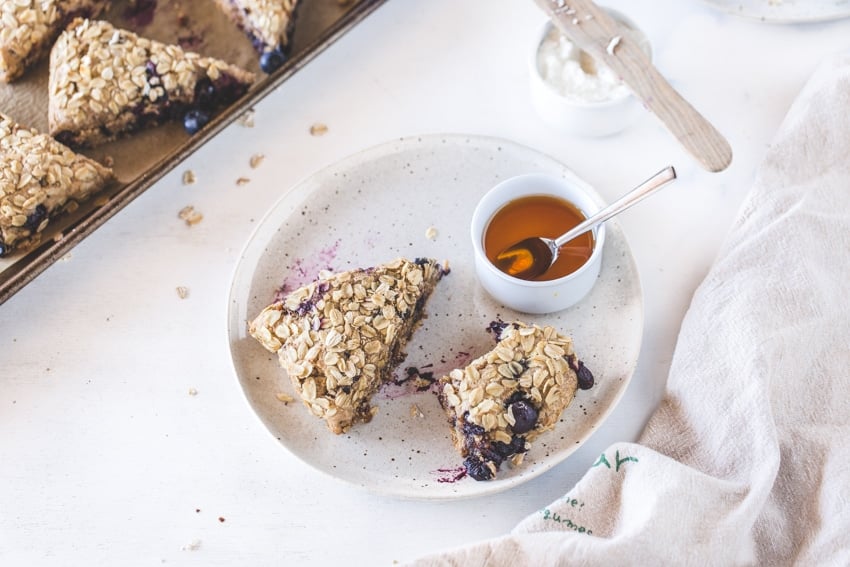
[(39, 179), (29, 27), (106, 82), (268, 23), (339, 338), (506, 398)]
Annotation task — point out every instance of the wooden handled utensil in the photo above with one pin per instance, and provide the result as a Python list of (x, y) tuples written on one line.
[(593, 30)]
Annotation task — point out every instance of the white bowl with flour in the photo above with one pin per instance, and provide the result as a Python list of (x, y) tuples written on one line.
[(572, 91)]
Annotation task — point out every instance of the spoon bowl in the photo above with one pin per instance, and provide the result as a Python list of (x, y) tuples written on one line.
[(532, 257)]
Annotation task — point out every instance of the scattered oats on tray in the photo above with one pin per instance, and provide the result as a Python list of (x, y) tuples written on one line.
[(29, 27), (39, 180), (340, 337), (242, 181), (502, 401), (107, 82), (256, 160), (269, 24)]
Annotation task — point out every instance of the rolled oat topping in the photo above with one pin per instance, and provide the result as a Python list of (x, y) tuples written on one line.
[(506, 398), (29, 27), (269, 23), (340, 337), (106, 82), (39, 179)]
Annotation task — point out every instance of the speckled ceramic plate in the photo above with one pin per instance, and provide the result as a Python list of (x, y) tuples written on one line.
[(786, 11), (376, 206)]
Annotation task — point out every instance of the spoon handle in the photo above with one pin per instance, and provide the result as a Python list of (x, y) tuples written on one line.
[(637, 194)]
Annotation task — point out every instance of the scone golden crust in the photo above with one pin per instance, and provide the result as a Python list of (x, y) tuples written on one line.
[(106, 82), (269, 23), (506, 398), (340, 338), (39, 179), (29, 27)]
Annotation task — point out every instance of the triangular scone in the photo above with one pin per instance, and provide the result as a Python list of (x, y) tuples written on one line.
[(269, 23), (504, 399), (340, 338), (39, 179), (29, 27), (106, 82)]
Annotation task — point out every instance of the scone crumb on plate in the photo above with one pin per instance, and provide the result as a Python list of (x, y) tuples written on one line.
[(190, 215), (242, 181), (284, 398), (256, 160), (318, 129), (182, 292), (189, 177), (431, 233)]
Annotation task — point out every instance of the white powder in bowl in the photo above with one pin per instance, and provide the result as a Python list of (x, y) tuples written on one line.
[(573, 74)]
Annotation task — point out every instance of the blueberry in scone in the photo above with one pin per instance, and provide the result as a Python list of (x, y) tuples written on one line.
[(29, 27), (269, 24), (502, 401), (340, 337), (39, 179), (106, 82)]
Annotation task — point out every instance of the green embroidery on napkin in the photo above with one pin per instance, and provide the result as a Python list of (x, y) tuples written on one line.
[(556, 517), (618, 462)]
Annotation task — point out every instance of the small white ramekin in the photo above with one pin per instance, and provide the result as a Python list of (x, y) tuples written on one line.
[(591, 119), (536, 297)]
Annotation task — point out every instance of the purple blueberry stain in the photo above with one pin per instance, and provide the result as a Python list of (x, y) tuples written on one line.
[(450, 475), (140, 13)]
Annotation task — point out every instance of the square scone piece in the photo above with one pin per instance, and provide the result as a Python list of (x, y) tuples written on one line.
[(502, 401), (340, 338)]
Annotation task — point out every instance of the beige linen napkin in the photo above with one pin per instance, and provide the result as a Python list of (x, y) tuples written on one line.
[(747, 459)]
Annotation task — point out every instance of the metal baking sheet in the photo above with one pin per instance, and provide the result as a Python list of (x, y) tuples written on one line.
[(143, 158)]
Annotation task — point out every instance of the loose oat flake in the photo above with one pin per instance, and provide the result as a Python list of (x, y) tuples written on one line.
[(431, 233), (256, 160), (318, 129), (190, 215), (242, 181), (193, 392), (188, 177), (284, 398), (247, 119), (182, 292)]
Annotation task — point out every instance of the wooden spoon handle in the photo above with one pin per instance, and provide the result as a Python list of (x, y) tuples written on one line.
[(596, 32)]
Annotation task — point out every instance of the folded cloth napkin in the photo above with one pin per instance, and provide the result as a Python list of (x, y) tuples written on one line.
[(747, 459)]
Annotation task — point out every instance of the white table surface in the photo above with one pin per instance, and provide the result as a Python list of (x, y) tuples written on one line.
[(105, 458)]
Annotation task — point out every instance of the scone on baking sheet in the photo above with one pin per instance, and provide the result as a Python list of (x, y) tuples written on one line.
[(29, 27), (269, 25), (506, 398), (339, 338), (106, 82), (39, 179)]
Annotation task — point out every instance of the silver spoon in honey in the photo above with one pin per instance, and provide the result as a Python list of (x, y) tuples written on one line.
[(532, 257)]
